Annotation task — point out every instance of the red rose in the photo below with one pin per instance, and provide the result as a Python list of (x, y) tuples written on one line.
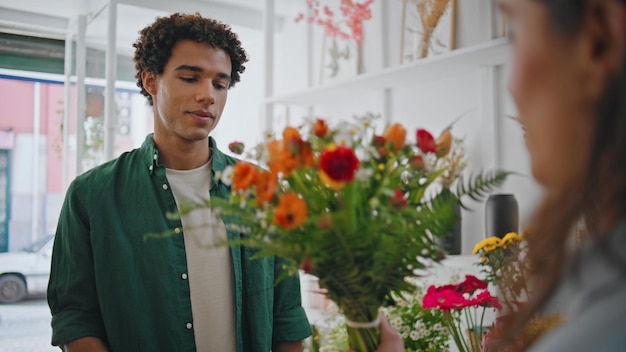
[(320, 128), (307, 265), (339, 164), (397, 200), (418, 162), (426, 141)]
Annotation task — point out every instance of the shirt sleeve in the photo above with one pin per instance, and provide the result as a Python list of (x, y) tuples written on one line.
[(290, 320), (72, 293)]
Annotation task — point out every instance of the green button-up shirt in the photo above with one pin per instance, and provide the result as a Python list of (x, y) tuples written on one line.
[(108, 281)]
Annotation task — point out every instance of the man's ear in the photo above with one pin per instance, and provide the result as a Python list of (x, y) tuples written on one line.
[(605, 31), (149, 81)]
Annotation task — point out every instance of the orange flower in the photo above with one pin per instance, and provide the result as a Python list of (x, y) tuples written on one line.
[(320, 128), (290, 212), (290, 153), (244, 175), (396, 134), (265, 184), (291, 133), (275, 151), (306, 155)]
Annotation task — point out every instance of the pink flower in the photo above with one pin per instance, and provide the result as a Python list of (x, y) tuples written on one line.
[(485, 299), (236, 147), (471, 284), (328, 12), (444, 298)]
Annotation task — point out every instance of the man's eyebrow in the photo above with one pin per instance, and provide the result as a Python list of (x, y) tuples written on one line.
[(224, 75), (189, 68)]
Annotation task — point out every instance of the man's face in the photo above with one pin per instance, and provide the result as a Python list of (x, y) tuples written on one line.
[(190, 95)]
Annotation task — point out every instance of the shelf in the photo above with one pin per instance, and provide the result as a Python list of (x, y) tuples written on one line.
[(495, 52)]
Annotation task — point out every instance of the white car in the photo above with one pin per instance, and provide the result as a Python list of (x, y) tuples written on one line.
[(25, 272)]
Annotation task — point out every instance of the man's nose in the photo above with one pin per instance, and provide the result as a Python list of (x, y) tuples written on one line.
[(206, 93)]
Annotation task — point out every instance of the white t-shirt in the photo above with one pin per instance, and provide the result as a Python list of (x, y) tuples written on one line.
[(211, 278)]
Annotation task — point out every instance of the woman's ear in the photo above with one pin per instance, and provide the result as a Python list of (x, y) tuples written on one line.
[(604, 31), (149, 81)]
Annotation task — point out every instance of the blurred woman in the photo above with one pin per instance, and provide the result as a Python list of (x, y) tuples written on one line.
[(569, 84)]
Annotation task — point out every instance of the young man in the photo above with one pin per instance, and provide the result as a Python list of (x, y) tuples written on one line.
[(110, 288)]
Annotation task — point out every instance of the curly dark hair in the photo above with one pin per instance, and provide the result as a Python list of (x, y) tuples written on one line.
[(154, 46)]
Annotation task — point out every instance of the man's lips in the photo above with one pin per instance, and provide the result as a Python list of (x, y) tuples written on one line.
[(202, 114)]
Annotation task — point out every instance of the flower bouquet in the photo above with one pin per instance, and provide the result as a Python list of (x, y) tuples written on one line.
[(350, 206), (460, 304), (503, 264)]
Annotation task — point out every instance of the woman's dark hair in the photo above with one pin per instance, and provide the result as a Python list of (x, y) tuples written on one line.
[(602, 190), (154, 46)]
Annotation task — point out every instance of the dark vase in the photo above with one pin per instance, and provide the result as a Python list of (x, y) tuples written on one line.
[(451, 242), (501, 215)]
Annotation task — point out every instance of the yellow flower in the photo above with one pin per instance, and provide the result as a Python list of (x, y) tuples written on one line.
[(487, 245), (510, 238)]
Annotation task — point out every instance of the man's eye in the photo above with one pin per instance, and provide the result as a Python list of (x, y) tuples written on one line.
[(188, 79)]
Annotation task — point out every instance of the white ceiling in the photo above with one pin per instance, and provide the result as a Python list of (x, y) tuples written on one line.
[(48, 18)]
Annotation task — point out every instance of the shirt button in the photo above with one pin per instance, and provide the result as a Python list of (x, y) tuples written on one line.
[(150, 167), (184, 276), (177, 230), (155, 156), (164, 186), (188, 326)]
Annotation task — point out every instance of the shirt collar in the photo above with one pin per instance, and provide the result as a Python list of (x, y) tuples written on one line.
[(150, 154)]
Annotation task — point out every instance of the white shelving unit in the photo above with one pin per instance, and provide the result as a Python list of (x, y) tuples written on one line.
[(489, 54)]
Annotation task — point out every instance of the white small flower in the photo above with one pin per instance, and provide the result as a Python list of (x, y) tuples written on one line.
[(364, 174), (414, 335), (396, 323), (445, 331), (437, 326), (226, 176)]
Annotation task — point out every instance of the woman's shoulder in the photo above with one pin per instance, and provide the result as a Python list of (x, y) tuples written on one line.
[(599, 327)]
